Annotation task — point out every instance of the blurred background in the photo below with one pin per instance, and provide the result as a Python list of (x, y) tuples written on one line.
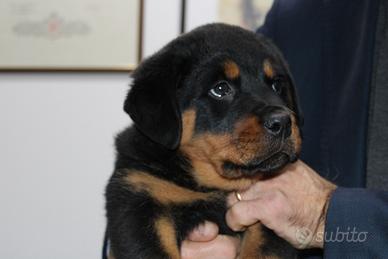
[(61, 106)]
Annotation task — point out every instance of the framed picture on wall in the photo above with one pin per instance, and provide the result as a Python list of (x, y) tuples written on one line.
[(71, 35)]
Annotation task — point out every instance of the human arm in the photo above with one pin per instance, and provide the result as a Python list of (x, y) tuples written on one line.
[(357, 224)]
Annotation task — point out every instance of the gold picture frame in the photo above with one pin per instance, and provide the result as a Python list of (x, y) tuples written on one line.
[(71, 35)]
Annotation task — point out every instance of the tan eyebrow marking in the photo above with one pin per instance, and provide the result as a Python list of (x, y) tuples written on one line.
[(268, 69), (231, 69)]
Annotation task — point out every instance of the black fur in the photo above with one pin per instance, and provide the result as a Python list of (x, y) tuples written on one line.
[(173, 80)]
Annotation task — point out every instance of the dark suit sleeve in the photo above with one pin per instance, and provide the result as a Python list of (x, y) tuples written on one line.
[(357, 224)]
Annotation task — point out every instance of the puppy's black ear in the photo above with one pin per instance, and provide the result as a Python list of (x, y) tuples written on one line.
[(152, 101)]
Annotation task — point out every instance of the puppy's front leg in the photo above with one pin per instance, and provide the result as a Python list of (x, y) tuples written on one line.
[(260, 242), (137, 239), (252, 242), (165, 230)]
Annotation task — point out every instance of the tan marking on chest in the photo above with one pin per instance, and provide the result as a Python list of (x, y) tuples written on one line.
[(163, 191)]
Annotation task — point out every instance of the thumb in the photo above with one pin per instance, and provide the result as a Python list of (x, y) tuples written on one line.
[(205, 232)]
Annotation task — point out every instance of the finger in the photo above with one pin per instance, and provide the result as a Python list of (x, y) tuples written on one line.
[(231, 199), (222, 247), (204, 232), (244, 214), (252, 193)]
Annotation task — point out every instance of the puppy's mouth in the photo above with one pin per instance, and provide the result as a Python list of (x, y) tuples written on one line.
[(267, 165)]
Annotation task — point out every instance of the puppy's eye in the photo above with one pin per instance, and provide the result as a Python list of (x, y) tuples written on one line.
[(221, 90), (277, 85)]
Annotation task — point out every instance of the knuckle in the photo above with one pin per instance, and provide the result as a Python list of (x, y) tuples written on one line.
[(275, 203), (274, 196), (246, 209), (235, 213), (235, 228), (278, 194), (231, 219)]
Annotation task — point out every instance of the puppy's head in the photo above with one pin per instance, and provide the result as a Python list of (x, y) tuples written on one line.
[(221, 95)]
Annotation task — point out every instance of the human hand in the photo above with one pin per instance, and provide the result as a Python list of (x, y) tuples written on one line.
[(204, 242), (292, 204)]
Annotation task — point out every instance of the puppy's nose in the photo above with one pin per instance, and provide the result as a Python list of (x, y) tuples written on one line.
[(278, 124)]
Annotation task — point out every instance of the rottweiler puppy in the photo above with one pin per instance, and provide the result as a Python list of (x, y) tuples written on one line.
[(214, 111)]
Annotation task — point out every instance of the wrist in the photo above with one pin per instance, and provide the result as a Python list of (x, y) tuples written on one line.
[(319, 233)]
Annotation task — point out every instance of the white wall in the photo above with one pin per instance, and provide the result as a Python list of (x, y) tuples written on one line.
[(56, 152), (200, 12), (161, 23), (56, 136)]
